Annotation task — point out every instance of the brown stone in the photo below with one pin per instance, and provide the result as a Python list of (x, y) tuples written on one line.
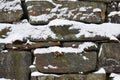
[(28, 46)]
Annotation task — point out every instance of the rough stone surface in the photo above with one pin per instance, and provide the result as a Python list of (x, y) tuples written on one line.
[(2, 46), (10, 11), (73, 77), (109, 57), (66, 62), (114, 19), (28, 46), (15, 65), (89, 12)]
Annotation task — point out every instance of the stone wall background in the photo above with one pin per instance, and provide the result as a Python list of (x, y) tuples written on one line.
[(18, 60)]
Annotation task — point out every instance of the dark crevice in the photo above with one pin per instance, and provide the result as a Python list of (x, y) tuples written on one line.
[(24, 8)]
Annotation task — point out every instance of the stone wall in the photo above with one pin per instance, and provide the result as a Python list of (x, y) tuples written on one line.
[(66, 57)]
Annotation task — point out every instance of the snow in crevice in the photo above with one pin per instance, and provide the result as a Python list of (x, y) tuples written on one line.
[(115, 76)]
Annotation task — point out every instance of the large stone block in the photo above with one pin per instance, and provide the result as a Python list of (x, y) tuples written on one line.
[(10, 11), (61, 62), (41, 12), (109, 57), (15, 64)]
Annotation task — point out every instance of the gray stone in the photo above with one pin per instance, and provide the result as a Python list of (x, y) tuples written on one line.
[(2, 46), (112, 7), (109, 57), (15, 65), (3, 32), (73, 77), (10, 11), (114, 18), (96, 76), (90, 12), (66, 62)]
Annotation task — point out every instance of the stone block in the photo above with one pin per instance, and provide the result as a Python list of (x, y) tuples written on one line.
[(42, 12), (56, 62), (15, 64), (10, 11), (109, 57)]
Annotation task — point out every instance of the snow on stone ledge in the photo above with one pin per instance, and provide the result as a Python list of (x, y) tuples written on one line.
[(23, 30), (10, 5), (64, 49), (114, 13), (100, 71), (115, 76), (36, 73)]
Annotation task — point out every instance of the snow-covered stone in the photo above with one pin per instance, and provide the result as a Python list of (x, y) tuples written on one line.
[(89, 12), (10, 11)]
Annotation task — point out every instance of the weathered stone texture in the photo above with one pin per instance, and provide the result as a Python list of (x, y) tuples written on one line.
[(15, 65), (28, 46), (66, 62), (73, 77), (109, 57), (10, 11), (89, 12)]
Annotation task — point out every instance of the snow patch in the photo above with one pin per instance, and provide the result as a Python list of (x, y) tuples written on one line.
[(5, 79), (114, 13), (115, 76), (36, 73), (101, 70), (97, 10), (50, 67), (64, 49)]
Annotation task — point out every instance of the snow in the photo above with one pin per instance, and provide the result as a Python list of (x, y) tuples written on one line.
[(10, 5), (36, 73), (24, 30), (115, 76), (50, 67), (64, 49), (99, 54), (114, 13), (97, 10), (5, 79), (32, 66), (100, 71)]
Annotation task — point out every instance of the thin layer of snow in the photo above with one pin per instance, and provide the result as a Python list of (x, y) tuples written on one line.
[(115, 76), (24, 30), (114, 13), (36, 73), (85, 58), (32, 66), (64, 49), (5, 79), (99, 54), (50, 67), (97, 10), (100, 71), (10, 5)]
